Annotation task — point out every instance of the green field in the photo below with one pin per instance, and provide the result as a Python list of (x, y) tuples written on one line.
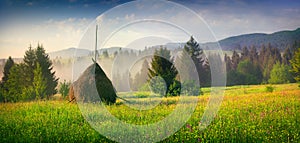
[(247, 114)]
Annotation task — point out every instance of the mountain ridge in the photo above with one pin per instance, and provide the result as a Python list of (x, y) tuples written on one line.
[(279, 39)]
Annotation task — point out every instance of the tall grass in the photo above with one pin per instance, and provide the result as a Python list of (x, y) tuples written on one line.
[(247, 114)]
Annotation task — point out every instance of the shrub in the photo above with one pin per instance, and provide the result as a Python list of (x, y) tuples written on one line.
[(64, 88), (191, 88), (269, 88)]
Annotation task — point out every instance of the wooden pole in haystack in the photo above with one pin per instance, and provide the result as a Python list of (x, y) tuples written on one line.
[(96, 44)]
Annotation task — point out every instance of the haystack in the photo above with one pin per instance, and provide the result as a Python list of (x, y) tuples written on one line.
[(92, 84)]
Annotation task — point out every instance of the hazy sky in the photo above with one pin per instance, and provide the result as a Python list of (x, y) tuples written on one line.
[(61, 24)]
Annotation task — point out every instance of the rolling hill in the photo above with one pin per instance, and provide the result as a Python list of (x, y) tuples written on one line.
[(279, 39)]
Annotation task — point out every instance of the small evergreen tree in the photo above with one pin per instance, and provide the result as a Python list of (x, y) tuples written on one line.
[(193, 50), (46, 65), (39, 83), (29, 61), (141, 77), (15, 84), (162, 66), (8, 65)]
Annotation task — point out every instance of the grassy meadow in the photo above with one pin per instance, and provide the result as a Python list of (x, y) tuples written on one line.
[(247, 114)]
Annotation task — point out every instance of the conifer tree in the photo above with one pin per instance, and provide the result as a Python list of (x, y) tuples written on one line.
[(39, 83), (287, 56), (235, 60), (6, 71), (46, 66), (245, 54), (162, 66), (29, 61), (142, 76), (193, 49), (15, 84), (8, 65)]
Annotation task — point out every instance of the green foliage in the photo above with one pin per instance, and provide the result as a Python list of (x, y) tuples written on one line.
[(1, 93), (250, 73), (145, 87), (8, 65), (141, 77), (39, 83), (269, 88), (29, 80), (193, 50), (29, 62), (46, 65), (6, 71), (15, 84), (174, 89), (295, 62), (162, 66), (280, 73), (190, 88), (268, 57), (158, 86), (64, 88)]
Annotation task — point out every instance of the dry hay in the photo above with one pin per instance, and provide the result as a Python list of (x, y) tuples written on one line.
[(87, 89)]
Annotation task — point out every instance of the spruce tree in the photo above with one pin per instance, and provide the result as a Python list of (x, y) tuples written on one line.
[(253, 55), (8, 65), (245, 54), (193, 49), (29, 61), (39, 83), (142, 76), (46, 65), (287, 56), (162, 66), (15, 84), (235, 60), (6, 71)]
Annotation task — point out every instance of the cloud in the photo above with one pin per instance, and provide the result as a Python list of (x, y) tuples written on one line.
[(29, 4), (53, 34), (130, 17)]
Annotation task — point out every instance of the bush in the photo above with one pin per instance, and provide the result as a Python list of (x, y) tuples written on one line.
[(64, 88), (174, 89), (190, 88), (144, 87), (280, 73), (158, 86), (269, 88)]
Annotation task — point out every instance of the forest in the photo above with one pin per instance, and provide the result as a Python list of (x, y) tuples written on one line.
[(35, 78)]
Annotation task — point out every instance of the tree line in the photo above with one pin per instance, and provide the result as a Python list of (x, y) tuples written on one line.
[(32, 79), (250, 66)]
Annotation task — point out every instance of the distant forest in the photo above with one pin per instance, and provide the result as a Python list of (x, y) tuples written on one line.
[(265, 64)]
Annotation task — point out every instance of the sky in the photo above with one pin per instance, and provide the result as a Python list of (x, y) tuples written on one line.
[(63, 24)]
